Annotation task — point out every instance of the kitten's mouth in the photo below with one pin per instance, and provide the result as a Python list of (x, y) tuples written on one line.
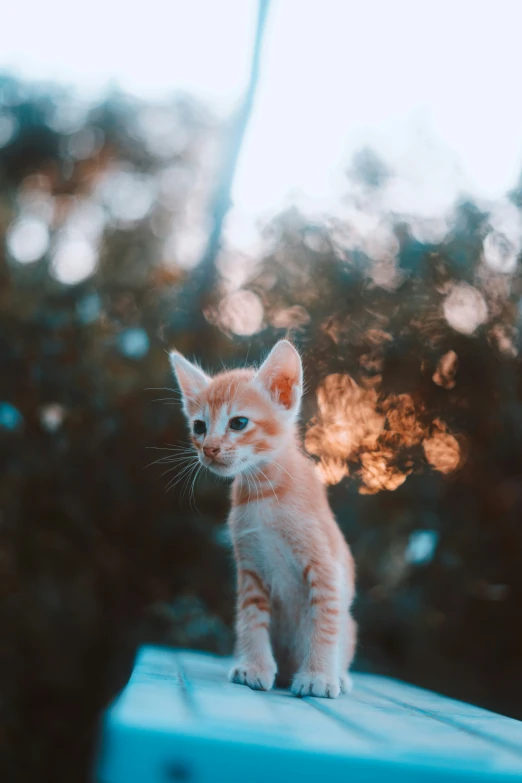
[(221, 468)]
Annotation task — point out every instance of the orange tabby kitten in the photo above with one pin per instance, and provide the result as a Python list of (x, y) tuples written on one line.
[(295, 570)]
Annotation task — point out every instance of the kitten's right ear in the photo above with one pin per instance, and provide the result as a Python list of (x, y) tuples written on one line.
[(191, 379)]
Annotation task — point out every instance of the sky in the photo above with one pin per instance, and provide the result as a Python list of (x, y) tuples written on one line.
[(432, 87)]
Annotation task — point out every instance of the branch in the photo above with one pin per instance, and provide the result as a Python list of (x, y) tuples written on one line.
[(222, 197)]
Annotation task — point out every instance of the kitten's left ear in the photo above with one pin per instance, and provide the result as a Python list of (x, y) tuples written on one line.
[(281, 374), (191, 379)]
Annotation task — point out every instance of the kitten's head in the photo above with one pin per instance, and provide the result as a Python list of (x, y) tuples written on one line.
[(241, 418)]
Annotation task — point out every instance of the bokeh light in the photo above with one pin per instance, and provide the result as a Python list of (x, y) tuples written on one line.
[(52, 416), (465, 308), (74, 259), (241, 313), (10, 417), (134, 343), (28, 240), (8, 127), (127, 194)]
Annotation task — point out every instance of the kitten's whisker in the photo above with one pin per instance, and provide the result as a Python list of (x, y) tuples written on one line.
[(250, 475), (163, 388), (246, 474), (256, 483), (166, 472), (271, 485), (170, 448), (179, 454), (185, 471), (186, 481), (171, 400), (247, 477), (173, 483), (273, 462), (166, 459), (176, 467), (192, 489)]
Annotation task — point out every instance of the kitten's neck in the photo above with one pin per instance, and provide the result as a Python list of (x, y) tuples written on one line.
[(277, 476), (281, 464)]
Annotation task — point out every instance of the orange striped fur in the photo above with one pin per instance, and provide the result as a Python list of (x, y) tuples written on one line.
[(295, 572)]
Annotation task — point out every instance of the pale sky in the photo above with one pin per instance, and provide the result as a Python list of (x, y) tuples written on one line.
[(433, 87)]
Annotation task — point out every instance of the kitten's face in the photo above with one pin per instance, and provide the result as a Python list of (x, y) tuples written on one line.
[(241, 418)]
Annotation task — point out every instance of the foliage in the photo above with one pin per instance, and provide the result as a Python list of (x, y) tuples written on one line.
[(409, 332)]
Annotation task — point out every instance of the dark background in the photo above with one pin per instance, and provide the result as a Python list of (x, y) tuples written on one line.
[(418, 427)]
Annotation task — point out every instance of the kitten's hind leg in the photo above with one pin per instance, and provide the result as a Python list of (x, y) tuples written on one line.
[(350, 642), (345, 682)]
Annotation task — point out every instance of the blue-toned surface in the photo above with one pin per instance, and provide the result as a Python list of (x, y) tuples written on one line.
[(180, 720)]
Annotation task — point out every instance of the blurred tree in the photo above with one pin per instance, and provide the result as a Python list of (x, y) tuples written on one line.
[(411, 341)]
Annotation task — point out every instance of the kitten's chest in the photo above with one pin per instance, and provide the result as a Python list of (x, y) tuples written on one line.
[(268, 550)]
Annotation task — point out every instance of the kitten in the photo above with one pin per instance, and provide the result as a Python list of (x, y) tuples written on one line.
[(295, 570)]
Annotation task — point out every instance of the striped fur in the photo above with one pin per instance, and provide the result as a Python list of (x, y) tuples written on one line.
[(295, 572)]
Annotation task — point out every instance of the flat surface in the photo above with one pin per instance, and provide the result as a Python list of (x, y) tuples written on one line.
[(180, 720)]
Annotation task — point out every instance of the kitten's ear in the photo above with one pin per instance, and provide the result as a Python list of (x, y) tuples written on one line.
[(281, 374), (191, 379)]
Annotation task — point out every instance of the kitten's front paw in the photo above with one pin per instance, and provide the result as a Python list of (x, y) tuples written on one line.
[(316, 684), (256, 677), (346, 683)]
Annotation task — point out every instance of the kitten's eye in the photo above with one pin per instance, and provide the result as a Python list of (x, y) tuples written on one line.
[(238, 423), (199, 427)]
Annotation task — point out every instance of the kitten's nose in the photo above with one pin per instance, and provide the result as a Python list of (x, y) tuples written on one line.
[(211, 451)]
